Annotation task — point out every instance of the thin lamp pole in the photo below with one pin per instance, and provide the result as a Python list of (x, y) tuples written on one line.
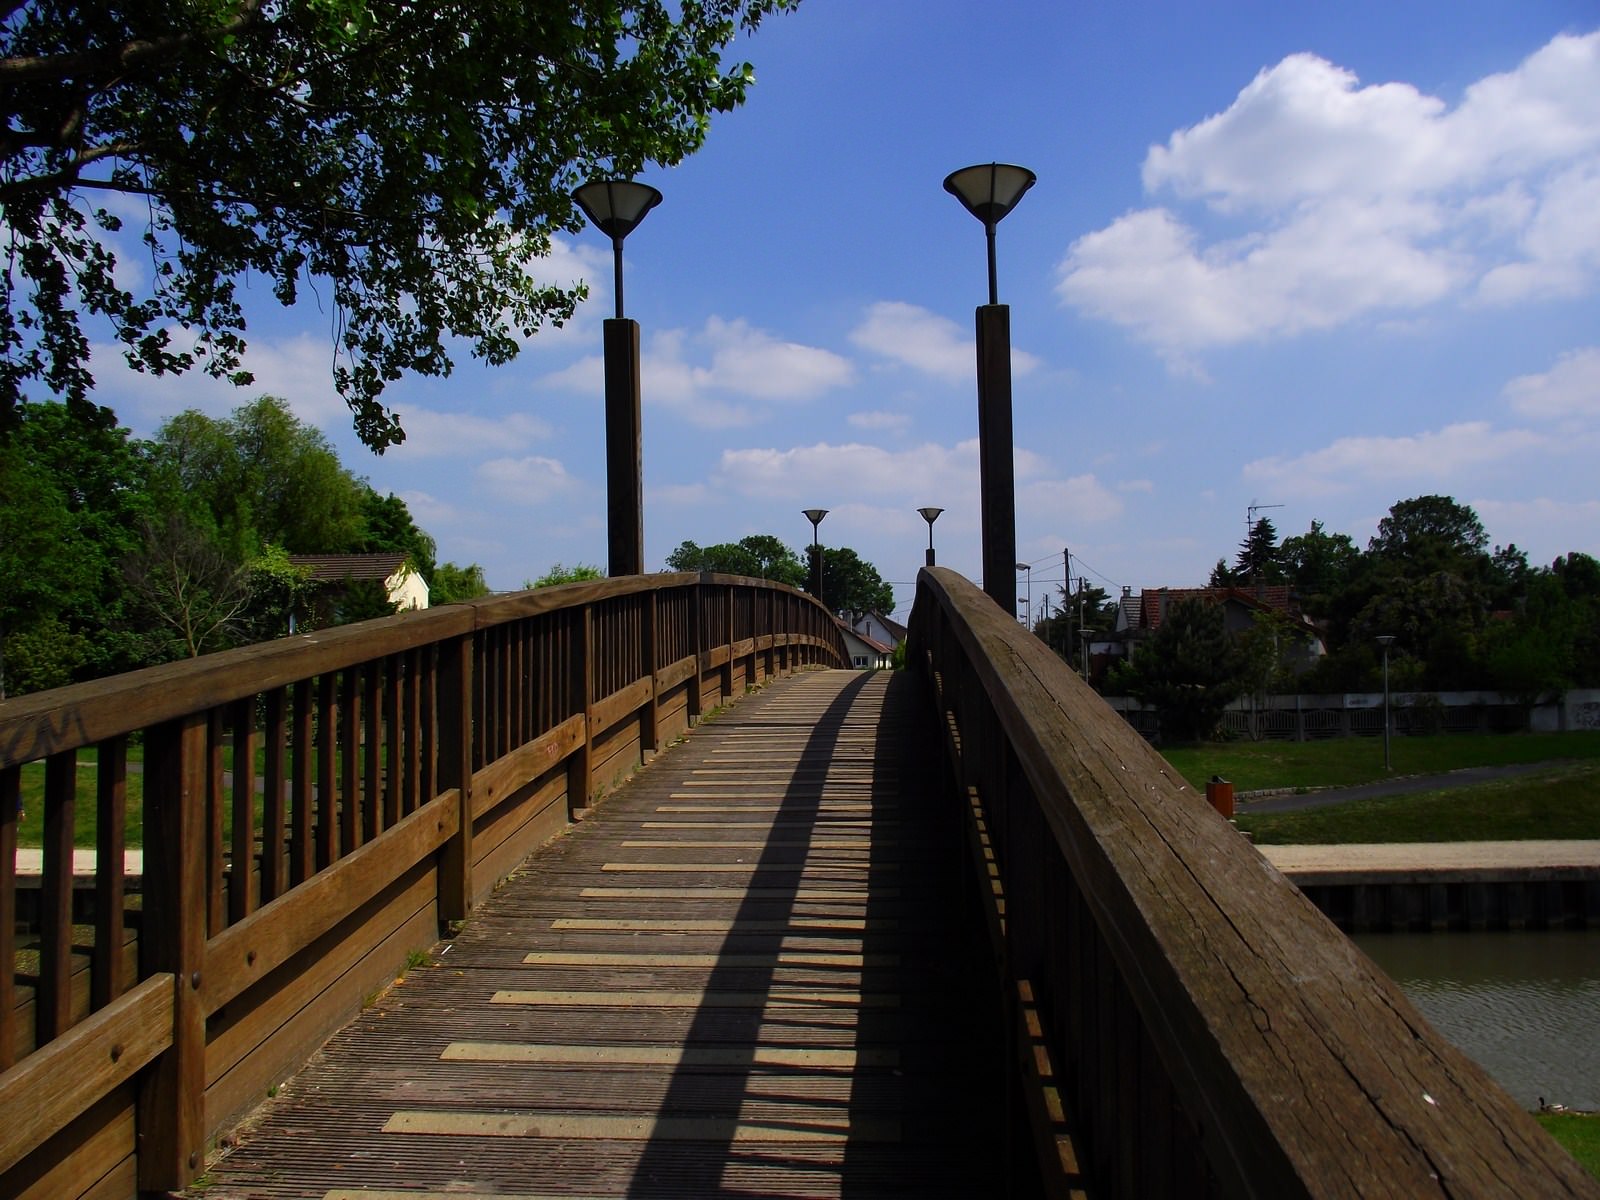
[(1386, 640)]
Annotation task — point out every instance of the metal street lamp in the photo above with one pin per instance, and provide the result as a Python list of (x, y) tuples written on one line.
[(1028, 567), (989, 191), (815, 515), (616, 206), (1386, 640), (930, 515)]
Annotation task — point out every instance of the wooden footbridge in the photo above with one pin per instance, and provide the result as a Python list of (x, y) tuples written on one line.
[(952, 931)]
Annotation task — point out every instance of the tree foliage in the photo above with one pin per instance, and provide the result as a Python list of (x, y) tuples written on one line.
[(559, 573), (851, 585), (1190, 670), (408, 161), (759, 556), (118, 553)]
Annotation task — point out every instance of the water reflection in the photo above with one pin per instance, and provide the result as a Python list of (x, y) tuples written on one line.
[(1526, 1006)]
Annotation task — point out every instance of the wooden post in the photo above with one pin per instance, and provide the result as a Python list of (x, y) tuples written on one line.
[(455, 771), (997, 477), (10, 801), (580, 765), (171, 1109), (649, 737), (53, 1005), (727, 637), (624, 477), (697, 645)]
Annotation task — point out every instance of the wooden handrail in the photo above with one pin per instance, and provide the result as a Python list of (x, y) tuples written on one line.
[(389, 750), (1210, 1031)]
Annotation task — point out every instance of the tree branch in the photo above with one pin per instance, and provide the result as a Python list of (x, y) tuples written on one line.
[(96, 63)]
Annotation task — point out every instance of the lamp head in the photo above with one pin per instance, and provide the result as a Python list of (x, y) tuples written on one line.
[(814, 515), (930, 515), (1025, 566), (1386, 640), (989, 190), (616, 206)]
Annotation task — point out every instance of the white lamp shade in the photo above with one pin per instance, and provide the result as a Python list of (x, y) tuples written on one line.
[(930, 515), (989, 190), (616, 205), (814, 515)]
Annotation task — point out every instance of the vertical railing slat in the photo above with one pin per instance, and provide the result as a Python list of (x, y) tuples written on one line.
[(396, 736), (216, 851), (53, 1002), (327, 770), (374, 736), (171, 1109), (241, 893), (454, 706), (273, 815), (349, 760), (10, 808), (108, 979), (302, 850)]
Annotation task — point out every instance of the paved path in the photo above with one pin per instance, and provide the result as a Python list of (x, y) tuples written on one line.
[(737, 978), (1406, 785)]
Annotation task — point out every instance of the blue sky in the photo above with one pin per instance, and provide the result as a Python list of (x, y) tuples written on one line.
[(1323, 257)]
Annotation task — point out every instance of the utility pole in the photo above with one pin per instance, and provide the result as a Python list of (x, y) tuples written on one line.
[(1082, 628)]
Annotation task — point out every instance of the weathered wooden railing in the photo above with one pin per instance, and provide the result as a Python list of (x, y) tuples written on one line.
[(302, 828), (1186, 1023)]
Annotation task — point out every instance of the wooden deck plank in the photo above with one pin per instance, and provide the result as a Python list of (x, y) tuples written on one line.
[(766, 999)]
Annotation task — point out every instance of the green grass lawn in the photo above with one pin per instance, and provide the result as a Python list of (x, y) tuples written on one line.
[(1341, 762), (1579, 1135), (1563, 802)]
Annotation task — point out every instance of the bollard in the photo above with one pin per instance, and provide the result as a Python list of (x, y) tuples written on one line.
[(1219, 793)]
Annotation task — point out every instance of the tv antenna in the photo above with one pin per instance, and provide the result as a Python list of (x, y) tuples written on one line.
[(1250, 517)]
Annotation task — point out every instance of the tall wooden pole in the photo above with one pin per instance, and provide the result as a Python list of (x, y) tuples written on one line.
[(997, 477), (624, 453)]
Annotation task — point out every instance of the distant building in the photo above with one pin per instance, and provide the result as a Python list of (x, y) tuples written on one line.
[(880, 628), (405, 588), (1139, 616), (866, 653)]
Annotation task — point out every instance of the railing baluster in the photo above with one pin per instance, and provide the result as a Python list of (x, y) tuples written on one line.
[(454, 707), (10, 807), (327, 770), (349, 760), (108, 978), (171, 1117), (373, 735), (53, 1001), (302, 849), (241, 898), (216, 848), (273, 816), (396, 736)]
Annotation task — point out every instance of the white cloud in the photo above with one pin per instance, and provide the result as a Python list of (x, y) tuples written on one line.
[(852, 468), (299, 369), (923, 340), (1544, 527), (742, 369), (526, 481), (892, 421), (1571, 388), (1082, 498), (433, 434), (1353, 461), (1356, 201)]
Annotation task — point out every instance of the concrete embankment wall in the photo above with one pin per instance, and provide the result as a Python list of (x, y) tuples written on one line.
[(1466, 886)]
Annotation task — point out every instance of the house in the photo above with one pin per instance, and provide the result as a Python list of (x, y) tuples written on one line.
[(1139, 616), (879, 628), (866, 653), (405, 588)]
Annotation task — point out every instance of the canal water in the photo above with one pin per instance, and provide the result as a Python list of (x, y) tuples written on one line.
[(1526, 1006)]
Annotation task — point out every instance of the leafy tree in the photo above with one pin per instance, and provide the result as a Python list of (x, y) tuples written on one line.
[(852, 585), (452, 583), (411, 159), (261, 477), (188, 584), (387, 525), (1259, 558), (577, 573), (72, 498), (1319, 565), (759, 556), (1429, 533), (1189, 670), (362, 600)]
